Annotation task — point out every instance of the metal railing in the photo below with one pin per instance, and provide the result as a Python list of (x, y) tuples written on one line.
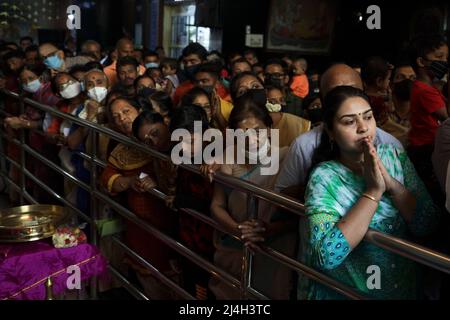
[(255, 193)]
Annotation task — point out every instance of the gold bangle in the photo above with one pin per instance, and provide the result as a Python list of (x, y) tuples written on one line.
[(368, 196)]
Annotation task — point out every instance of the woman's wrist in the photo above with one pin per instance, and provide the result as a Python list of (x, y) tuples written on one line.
[(374, 193)]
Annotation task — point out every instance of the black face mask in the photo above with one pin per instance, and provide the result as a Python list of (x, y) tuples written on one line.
[(146, 92), (315, 115), (258, 96), (438, 68), (402, 89), (190, 71), (271, 81), (209, 89)]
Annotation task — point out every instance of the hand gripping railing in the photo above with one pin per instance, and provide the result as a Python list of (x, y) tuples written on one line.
[(402, 247)]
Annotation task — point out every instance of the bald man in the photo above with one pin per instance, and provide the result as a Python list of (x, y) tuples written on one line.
[(55, 60), (124, 48), (294, 171)]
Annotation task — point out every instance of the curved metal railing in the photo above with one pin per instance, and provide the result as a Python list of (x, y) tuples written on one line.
[(399, 246)]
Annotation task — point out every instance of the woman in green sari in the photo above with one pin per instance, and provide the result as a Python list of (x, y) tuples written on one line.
[(354, 186)]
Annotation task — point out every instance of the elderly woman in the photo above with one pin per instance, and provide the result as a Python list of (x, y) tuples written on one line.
[(130, 172), (355, 186), (35, 82)]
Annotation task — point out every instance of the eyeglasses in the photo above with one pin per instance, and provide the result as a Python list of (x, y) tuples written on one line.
[(65, 85), (274, 75)]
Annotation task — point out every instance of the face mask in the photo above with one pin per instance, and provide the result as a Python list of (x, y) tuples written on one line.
[(438, 68), (71, 91), (97, 93), (82, 86), (209, 89), (152, 65), (32, 86), (273, 107), (402, 89), (190, 71), (261, 155), (271, 81), (146, 92), (315, 115), (53, 62)]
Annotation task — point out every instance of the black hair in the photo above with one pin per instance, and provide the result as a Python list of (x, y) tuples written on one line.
[(422, 45), (210, 68), (12, 44), (195, 48), (184, 117), (14, 54), (130, 101), (235, 81), (143, 118), (144, 76), (116, 91), (241, 60), (55, 78), (93, 65), (189, 97), (77, 68), (127, 61), (373, 69), (32, 48), (169, 62), (276, 61), (163, 100), (37, 69), (149, 54), (274, 87), (332, 102), (245, 106), (26, 38), (250, 51), (309, 99)]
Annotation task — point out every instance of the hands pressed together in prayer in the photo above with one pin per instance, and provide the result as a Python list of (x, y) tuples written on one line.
[(378, 180)]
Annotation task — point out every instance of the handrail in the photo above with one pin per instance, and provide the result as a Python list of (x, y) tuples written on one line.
[(399, 246)]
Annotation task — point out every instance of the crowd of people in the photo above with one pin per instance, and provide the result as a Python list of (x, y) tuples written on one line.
[(362, 147)]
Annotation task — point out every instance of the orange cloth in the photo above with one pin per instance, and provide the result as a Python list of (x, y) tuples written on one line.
[(300, 85), (186, 86), (182, 89), (111, 73)]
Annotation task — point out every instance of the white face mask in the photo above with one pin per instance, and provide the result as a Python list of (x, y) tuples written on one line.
[(32, 86), (273, 107), (261, 155), (71, 91), (98, 93)]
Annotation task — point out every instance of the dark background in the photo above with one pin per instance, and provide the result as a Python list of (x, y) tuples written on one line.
[(107, 21)]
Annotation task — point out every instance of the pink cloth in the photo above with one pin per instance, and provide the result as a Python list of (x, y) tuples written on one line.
[(24, 268)]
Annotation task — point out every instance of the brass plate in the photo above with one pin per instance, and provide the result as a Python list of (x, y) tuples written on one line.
[(30, 223)]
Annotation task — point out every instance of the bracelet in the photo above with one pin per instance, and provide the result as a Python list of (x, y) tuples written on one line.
[(368, 196)]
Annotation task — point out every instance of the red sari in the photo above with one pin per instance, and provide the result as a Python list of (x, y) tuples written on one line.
[(126, 161)]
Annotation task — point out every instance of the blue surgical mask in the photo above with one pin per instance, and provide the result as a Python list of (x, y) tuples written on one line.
[(53, 62), (151, 65), (32, 86)]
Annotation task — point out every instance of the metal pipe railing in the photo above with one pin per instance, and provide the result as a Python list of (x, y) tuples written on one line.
[(399, 246)]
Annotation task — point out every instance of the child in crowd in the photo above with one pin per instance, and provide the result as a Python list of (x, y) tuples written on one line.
[(300, 84)]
